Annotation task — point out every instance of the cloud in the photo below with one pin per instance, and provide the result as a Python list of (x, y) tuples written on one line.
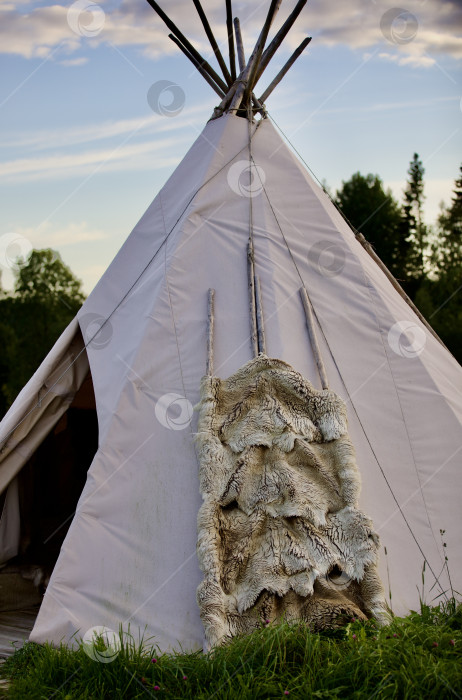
[(38, 33), (35, 34), (415, 35), (10, 5), (53, 236), (66, 238), (123, 157), (70, 136), (430, 101), (74, 61), (78, 151), (414, 61)]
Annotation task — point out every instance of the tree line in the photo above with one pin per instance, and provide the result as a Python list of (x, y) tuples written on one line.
[(427, 261)]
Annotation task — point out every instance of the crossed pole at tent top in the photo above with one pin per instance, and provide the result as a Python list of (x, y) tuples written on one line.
[(237, 91)]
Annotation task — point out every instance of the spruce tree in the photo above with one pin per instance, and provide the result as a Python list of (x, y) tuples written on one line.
[(440, 296), (449, 252), (413, 226), (372, 210)]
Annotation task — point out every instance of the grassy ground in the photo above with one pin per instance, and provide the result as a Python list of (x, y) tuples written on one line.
[(415, 657)]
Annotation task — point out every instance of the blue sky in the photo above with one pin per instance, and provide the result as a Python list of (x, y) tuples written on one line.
[(82, 154)]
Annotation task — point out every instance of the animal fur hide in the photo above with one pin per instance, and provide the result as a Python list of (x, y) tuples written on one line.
[(279, 531)]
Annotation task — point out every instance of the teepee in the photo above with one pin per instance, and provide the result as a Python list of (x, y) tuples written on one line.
[(244, 292)]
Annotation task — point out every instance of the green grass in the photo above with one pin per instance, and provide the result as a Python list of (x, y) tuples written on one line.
[(414, 657)]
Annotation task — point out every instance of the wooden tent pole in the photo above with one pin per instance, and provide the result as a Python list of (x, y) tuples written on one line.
[(218, 111), (253, 311), (313, 339), (197, 65), (210, 327), (260, 45), (179, 35), (239, 44), (254, 58), (279, 38), (260, 319), (284, 69), (213, 43), (367, 247), (229, 28)]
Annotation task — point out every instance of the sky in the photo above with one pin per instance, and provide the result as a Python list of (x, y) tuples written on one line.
[(98, 106)]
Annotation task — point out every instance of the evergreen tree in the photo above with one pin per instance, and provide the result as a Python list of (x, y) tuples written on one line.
[(374, 212), (449, 253), (440, 299), (413, 227)]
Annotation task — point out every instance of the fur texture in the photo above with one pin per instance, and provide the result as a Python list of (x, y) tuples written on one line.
[(279, 531)]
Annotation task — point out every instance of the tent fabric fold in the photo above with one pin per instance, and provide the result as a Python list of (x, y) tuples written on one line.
[(49, 394)]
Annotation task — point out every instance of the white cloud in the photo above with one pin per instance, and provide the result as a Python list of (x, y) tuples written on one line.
[(52, 235), (426, 103), (61, 237), (414, 61), (51, 153), (432, 30), (35, 34), (69, 136), (74, 61), (124, 157)]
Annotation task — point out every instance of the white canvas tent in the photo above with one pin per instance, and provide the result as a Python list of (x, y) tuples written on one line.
[(129, 557)]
